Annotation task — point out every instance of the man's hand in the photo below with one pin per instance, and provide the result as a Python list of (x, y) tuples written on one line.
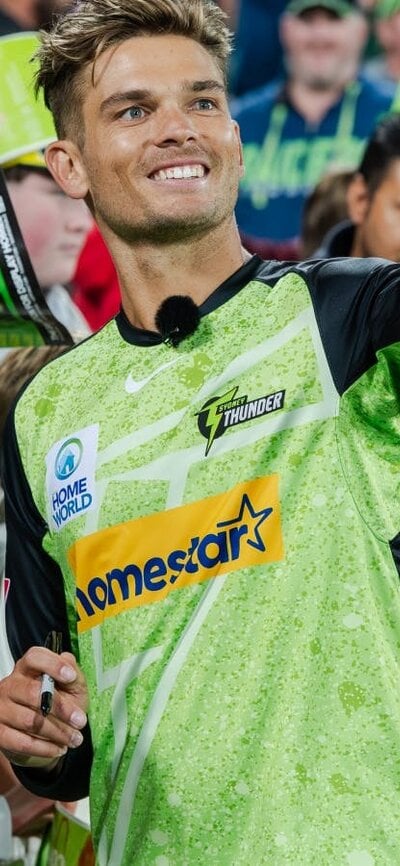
[(27, 737)]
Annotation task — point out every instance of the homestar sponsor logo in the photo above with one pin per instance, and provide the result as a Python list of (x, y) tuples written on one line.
[(70, 476), (220, 413), (148, 558)]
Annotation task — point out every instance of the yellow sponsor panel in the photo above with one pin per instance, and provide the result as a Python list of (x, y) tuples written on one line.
[(141, 561)]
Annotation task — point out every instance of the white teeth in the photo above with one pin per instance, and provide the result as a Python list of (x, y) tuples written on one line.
[(177, 172)]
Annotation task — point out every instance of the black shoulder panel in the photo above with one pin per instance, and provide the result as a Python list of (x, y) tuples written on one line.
[(357, 308)]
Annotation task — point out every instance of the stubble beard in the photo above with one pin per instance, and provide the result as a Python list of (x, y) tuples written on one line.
[(168, 229), (161, 231)]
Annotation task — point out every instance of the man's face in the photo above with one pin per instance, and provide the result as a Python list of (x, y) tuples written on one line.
[(379, 232), (53, 226), (162, 157), (321, 49), (388, 33)]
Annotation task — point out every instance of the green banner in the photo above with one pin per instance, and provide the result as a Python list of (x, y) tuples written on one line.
[(26, 123)]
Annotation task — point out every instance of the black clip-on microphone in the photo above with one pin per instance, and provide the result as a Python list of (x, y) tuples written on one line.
[(176, 318)]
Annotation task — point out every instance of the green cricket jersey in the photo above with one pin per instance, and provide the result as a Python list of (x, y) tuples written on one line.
[(215, 529)]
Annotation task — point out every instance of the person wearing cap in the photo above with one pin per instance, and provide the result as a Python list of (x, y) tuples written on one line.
[(292, 131), (54, 229)]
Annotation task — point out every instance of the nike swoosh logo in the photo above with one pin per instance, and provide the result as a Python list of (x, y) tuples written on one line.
[(132, 386)]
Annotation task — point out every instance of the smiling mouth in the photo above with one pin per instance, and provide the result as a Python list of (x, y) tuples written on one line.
[(179, 172)]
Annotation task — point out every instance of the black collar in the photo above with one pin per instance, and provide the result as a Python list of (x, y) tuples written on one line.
[(227, 289)]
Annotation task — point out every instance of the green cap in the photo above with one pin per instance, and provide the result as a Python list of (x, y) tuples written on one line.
[(386, 8), (26, 123), (339, 7)]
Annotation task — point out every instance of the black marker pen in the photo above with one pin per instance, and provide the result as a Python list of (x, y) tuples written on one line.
[(53, 642)]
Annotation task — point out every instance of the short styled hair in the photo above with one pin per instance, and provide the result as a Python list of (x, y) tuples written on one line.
[(383, 147), (90, 27)]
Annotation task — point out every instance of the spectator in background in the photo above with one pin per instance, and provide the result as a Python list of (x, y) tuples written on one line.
[(325, 207), (257, 56), (386, 25), (54, 228), (16, 15), (320, 115), (373, 197)]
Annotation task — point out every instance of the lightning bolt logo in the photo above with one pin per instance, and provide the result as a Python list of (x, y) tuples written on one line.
[(211, 418)]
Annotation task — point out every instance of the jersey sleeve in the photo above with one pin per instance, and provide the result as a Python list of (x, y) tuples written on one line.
[(35, 605), (357, 305)]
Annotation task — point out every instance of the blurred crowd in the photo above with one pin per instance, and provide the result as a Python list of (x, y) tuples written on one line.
[(315, 89)]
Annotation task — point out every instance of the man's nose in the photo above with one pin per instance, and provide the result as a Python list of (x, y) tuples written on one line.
[(174, 125)]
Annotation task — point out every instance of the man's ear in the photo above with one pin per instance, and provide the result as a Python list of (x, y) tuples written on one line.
[(357, 199), (64, 162), (240, 148)]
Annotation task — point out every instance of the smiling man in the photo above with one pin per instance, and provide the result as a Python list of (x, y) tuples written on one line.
[(203, 496)]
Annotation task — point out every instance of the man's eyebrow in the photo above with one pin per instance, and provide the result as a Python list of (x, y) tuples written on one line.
[(124, 96), (208, 84)]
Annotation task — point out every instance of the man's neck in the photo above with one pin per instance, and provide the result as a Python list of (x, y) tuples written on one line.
[(149, 273), (312, 104), (23, 12)]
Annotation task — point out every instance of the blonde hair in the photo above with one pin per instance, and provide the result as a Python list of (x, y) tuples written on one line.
[(90, 27)]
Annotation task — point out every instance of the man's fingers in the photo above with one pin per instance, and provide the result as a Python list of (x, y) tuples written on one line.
[(30, 721), (27, 736), (26, 695), (38, 660), (19, 745)]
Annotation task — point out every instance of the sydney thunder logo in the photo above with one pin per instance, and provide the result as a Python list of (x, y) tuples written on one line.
[(219, 413)]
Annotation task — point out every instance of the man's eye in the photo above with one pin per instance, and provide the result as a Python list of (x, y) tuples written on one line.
[(133, 113), (205, 104)]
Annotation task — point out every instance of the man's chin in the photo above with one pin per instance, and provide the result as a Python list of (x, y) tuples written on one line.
[(167, 231)]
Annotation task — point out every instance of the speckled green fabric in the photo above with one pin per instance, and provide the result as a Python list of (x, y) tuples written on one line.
[(251, 715)]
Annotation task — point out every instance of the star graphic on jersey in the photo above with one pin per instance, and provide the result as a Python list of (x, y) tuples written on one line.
[(262, 515)]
